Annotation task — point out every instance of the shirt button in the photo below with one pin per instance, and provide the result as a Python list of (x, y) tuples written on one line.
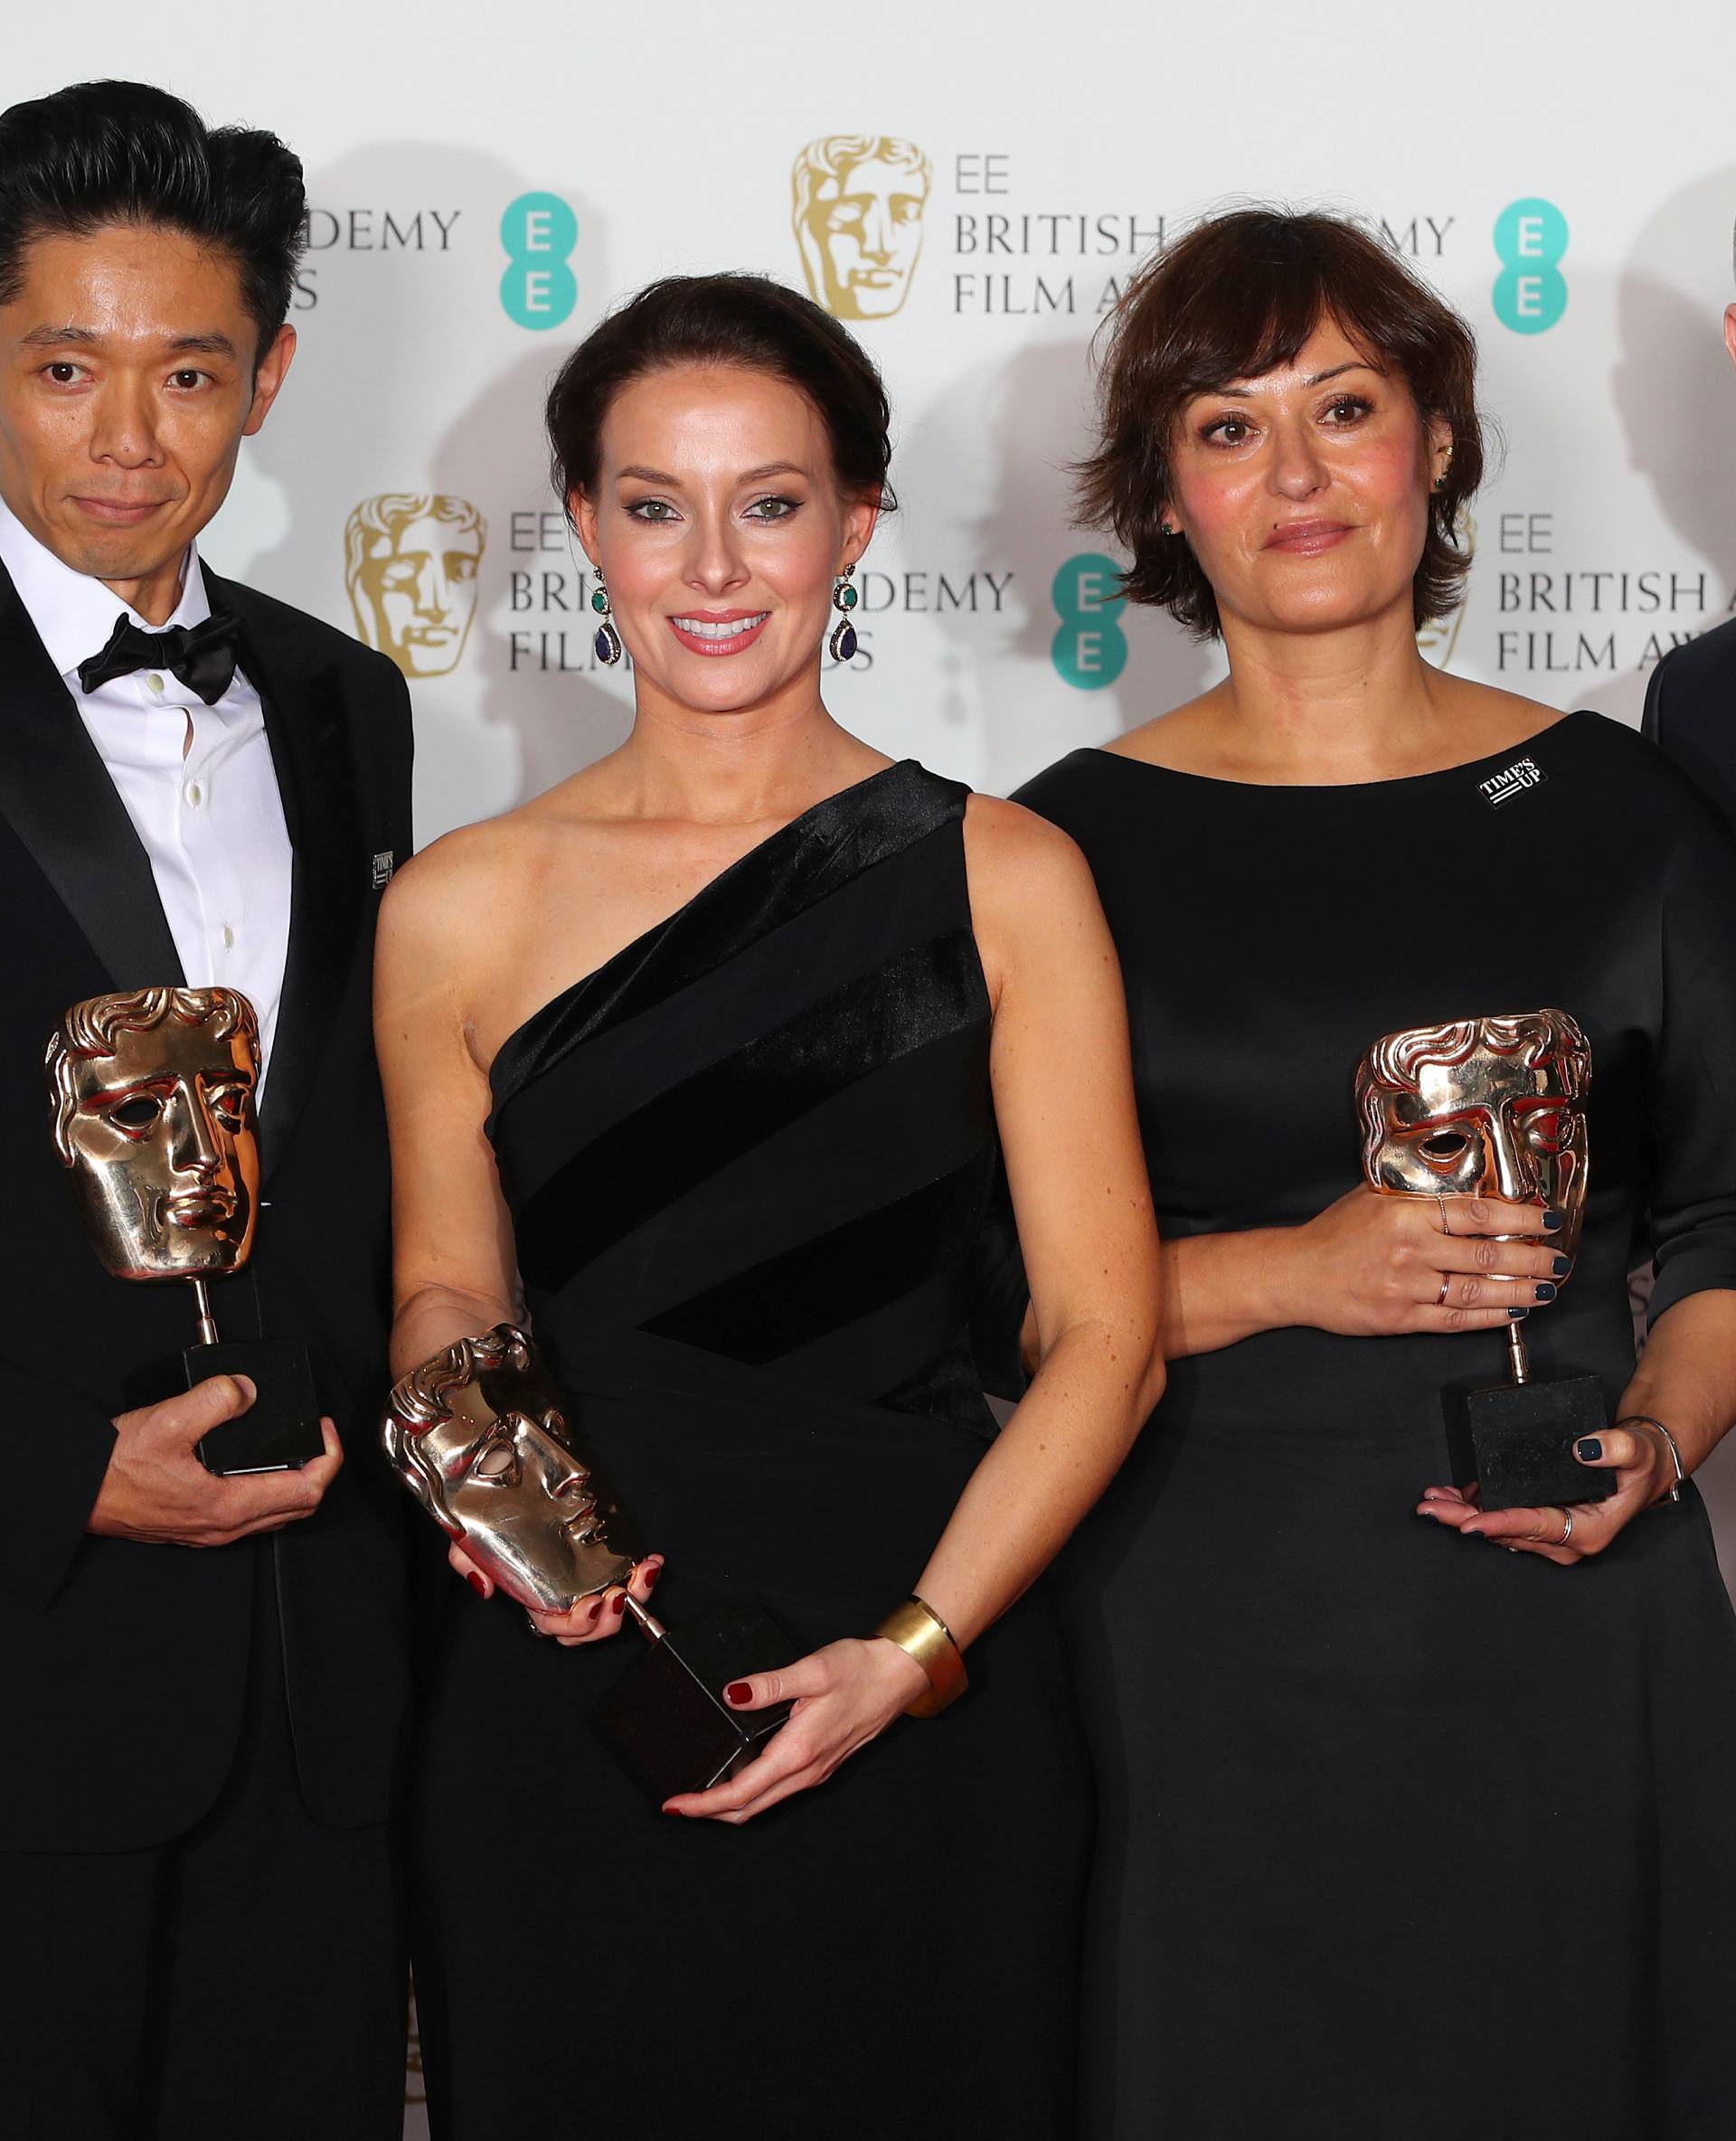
[(155, 683), (195, 795), (229, 938)]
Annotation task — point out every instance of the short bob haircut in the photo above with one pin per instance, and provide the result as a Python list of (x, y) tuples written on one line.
[(1238, 295), (743, 320)]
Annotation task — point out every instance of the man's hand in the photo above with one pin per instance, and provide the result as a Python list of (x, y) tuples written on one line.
[(155, 1488)]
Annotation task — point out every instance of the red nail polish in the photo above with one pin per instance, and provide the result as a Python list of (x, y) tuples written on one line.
[(477, 1582), (739, 1690), (653, 1575), (620, 1602)]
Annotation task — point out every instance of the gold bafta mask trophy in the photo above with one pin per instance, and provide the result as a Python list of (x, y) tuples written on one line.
[(152, 1099), (479, 1436), (1496, 1107)]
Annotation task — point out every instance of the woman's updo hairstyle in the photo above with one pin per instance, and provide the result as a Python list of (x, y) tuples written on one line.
[(1238, 295), (746, 320)]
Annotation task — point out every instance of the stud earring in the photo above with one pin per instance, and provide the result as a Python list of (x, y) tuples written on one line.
[(842, 645), (608, 641)]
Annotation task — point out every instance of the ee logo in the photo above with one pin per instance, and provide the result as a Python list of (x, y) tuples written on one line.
[(1531, 291), (1090, 649), (539, 232)]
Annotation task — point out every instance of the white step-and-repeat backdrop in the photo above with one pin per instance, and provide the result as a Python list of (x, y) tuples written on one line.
[(968, 185)]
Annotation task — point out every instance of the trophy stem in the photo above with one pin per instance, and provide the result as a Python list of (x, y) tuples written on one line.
[(1518, 1359), (649, 1625), (201, 1303)]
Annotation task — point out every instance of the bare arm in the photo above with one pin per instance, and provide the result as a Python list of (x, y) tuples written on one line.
[(1063, 1099), (453, 1272), (1368, 1265), (1687, 1377)]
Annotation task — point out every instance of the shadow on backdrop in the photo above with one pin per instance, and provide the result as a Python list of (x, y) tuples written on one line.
[(398, 393), (1673, 389), (1025, 421)]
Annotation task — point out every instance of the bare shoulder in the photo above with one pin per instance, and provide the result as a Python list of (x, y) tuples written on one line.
[(466, 870), (1034, 902), (1490, 712), (452, 872), (1014, 854), (1175, 739)]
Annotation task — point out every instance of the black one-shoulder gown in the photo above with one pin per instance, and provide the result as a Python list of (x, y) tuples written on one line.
[(1402, 1837), (746, 1162)]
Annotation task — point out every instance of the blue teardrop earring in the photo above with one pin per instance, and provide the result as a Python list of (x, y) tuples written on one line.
[(608, 641), (842, 645)]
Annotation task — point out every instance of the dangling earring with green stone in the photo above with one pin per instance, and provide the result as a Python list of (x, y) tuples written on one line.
[(842, 645), (608, 642)]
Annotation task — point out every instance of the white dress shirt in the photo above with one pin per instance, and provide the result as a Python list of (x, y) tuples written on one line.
[(198, 781)]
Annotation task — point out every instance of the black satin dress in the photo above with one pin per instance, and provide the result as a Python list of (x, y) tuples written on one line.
[(1406, 1838), (746, 1161)]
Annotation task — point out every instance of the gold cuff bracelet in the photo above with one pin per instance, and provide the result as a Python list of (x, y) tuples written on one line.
[(919, 1630)]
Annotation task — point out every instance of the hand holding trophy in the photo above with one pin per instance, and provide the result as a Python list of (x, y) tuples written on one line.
[(1496, 1107), (152, 1099), (480, 1435)]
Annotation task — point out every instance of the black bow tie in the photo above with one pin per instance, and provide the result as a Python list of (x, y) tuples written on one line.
[(202, 655)]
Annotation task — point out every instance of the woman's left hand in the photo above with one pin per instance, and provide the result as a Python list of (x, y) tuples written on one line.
[(1643, 1469), (845, 1696)]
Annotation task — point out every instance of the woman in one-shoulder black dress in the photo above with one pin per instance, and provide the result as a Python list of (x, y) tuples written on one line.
[(1401, 1837), (736, 1169)]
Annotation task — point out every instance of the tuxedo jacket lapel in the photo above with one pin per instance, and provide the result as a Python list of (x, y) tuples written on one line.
[(56, 795), (310, 752)]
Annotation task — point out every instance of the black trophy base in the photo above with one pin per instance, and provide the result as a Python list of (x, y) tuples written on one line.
[(1516, 1440), (666, 1719), (279, 1431)]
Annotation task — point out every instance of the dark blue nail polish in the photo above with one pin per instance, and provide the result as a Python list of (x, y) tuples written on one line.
[(1564, 1265), (1553, 1220), (1425, 1516), (1517, 1314), (1588, 1447), (1546, 1292)]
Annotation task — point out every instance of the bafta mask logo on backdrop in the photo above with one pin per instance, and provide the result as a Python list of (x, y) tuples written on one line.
[(539, 232), (1531, 291), (858, 203), (1090, 649), (411, 560)]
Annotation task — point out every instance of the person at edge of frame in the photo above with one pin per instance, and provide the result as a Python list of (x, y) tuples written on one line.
[(1692, 693), (205, 1678)]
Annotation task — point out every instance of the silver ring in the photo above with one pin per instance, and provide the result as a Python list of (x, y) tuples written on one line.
[(1446, 1280), (1567, 1529), (1441, 1201)]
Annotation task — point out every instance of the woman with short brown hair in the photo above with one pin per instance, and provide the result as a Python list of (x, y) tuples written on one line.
[(1397, 1839)]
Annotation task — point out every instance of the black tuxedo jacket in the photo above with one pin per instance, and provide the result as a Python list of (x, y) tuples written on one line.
[(123, 1666), (1691, 712)]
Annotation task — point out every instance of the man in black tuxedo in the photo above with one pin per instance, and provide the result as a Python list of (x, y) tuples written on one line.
[(204, 1679), (1690, 700)]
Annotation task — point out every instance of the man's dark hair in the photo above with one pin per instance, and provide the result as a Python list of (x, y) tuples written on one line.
[(122, 152)]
